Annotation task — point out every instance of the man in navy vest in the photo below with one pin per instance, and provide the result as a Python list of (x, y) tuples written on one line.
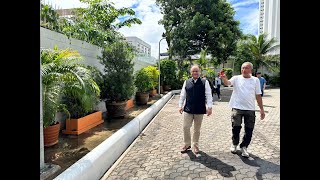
[(196, 93)]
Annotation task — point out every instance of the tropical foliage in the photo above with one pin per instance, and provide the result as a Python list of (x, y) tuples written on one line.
[(63, 76), (95, 24), (261, 49)]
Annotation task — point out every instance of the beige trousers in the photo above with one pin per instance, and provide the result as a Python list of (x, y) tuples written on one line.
[(187, 123)]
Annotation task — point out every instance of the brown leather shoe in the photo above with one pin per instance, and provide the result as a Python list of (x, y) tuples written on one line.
[(184, 149)]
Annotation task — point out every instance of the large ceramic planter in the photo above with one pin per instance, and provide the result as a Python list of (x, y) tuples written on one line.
[(116, 109), (80, 125), (142, 98), (166, 87), (51, 135)]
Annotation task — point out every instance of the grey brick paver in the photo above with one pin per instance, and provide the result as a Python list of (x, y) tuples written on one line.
[(157, 155)]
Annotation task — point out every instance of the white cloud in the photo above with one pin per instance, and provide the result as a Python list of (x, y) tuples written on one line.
[(124, 3), (250, 22), (149, 31), (243, 3)]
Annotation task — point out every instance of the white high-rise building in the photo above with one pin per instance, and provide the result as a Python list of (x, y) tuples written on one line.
[(269, 21), (143, 48)]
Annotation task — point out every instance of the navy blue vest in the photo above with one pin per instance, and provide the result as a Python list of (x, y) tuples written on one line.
[(195, 97)]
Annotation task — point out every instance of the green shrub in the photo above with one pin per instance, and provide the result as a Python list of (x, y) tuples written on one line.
[(154, 73), (168, 72), (118, 79), (143, 81), (275, 80)]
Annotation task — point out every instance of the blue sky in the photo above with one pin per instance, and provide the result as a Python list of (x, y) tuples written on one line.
[(247, 12)]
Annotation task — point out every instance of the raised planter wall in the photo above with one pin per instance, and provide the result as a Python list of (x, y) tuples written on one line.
[(94, 164)]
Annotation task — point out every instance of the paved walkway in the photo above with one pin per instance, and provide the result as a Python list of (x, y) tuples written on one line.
[(157, 154)]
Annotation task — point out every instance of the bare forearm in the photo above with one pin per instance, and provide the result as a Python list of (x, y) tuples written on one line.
[(259, 101), (226, 81)]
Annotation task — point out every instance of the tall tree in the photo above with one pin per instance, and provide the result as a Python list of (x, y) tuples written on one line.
[(95, 24), (192, 25)]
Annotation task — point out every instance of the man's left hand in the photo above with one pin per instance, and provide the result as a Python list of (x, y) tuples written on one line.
[(262, 114), (209, 111)]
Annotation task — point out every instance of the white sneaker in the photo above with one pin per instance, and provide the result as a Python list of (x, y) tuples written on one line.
[(244, 152), (233, 148)]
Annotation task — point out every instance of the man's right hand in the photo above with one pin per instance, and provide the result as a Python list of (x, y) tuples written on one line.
[(223, 75), (180, 110)]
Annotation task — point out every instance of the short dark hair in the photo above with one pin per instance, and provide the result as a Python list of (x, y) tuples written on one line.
[(258, 73)]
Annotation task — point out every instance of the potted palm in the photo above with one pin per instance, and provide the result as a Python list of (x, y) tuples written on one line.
[(117, 87), (53, 72), (143, 82), (80, 99)]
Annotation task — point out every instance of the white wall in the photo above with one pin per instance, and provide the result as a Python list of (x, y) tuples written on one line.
[(89, 52), (48, 39)]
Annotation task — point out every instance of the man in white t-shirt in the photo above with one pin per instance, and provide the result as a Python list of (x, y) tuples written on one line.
[(246, 89)]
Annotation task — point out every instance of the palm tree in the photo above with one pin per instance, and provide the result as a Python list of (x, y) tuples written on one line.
[(63, 75), (261, 48)]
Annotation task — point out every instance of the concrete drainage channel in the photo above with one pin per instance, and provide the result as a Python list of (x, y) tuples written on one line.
[(95, 164)]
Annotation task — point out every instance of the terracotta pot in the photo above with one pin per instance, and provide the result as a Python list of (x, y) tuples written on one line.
[(153, 93), (116, 109), (51, 135), (80, 125), (142, 98), (130, 104)]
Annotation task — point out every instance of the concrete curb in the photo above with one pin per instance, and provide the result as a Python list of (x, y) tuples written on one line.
[(94, 164)]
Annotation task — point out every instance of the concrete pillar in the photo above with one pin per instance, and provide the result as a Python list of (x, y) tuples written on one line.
[(42, 165)]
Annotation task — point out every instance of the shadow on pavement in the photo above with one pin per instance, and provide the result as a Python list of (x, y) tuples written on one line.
[(212, 163), (264, 166)]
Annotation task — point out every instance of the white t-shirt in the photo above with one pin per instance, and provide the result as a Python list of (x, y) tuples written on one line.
[(244, 92)]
